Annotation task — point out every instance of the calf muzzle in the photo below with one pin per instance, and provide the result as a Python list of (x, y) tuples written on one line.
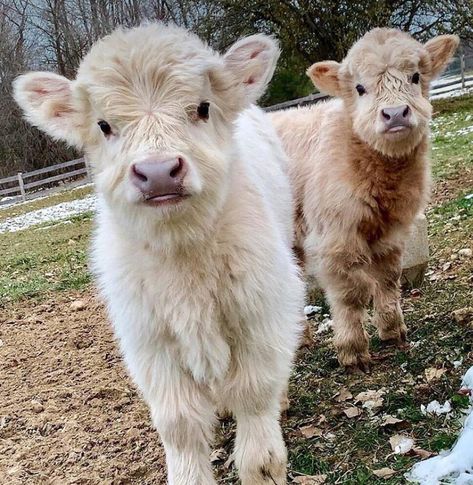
[(156, 178), (396, 118)]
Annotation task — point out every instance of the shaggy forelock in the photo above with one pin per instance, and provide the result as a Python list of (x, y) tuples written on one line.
[(381, 49), (154, 70)]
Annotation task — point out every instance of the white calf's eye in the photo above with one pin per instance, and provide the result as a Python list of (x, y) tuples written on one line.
[(105, 127), (416, 78), (203, 110)]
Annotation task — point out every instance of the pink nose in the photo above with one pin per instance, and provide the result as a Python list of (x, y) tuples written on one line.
[(395, 117), (155, 178)]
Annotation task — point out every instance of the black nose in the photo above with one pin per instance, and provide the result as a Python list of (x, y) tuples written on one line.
[(154, 177)]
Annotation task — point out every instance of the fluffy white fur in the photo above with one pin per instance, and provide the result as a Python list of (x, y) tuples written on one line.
[(204, 295)]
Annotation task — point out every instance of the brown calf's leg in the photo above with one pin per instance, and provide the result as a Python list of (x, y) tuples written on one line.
[(349, 295), (388, 316)]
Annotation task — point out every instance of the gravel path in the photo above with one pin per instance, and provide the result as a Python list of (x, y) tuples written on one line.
[(58, 212)]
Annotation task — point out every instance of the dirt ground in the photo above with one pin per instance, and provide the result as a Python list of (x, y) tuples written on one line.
[(68, 412)]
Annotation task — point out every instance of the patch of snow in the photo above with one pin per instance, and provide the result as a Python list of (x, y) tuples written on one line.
[(310, 310), (57, 212), (324, 326), (455, 466), (401, 444), (434, 407)]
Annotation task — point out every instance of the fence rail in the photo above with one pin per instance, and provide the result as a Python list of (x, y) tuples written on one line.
[(20, 186), (458, 76)]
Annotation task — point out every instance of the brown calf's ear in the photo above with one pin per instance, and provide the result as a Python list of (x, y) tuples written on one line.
[(441, 50), (46, 100), (324, 75)]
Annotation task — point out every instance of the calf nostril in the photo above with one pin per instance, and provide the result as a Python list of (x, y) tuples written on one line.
[(385, 115), (178, 168), (406, 112), (141, 176)]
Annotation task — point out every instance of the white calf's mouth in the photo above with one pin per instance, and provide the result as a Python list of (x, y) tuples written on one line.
[(165, 199)]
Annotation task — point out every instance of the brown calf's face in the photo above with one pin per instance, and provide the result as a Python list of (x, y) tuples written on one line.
[(384, 83), (153, 108)]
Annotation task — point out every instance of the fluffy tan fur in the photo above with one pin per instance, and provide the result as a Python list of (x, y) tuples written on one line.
[(357, 188)]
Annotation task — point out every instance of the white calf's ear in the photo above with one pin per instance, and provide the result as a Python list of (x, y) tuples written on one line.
[(46, 100), (324, 75), (441, 50), (252, 61)]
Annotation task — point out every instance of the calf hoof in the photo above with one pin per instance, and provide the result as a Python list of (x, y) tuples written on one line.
[(271, 474), (396, 337), (355, 363), (360, 368)]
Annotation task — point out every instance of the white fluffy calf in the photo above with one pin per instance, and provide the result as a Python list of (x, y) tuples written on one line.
[(193, 243)]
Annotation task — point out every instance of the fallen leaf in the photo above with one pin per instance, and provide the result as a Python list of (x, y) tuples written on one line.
[(322, 419), (343, 395), (310, 431), (384, 472), (432, 373), (310, 479), (352, 412), (371, 399), (463, 315), (422, 453), (401, 444), (390, 420)]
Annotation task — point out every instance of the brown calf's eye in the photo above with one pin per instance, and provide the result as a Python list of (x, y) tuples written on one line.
[(105, 127), (203, 110), (416, 78), (361, 90)]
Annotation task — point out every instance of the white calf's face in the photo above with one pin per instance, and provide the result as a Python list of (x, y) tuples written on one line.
[(153, 108), (384, 82)]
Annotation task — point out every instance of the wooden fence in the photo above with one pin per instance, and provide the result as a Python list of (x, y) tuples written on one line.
[(19, 186), (442, 87)]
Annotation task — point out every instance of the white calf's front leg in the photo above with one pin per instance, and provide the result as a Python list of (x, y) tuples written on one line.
[(255, 400), (260, 452), (183, 413)]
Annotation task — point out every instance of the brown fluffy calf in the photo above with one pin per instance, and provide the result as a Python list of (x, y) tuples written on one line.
[(360, 173)]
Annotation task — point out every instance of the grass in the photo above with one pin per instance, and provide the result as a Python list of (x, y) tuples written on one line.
[(45, 258), (41, 260), (451, 147)]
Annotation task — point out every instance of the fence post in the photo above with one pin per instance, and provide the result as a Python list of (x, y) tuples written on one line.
[(462, 69), (87, 167), (22, 186)]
